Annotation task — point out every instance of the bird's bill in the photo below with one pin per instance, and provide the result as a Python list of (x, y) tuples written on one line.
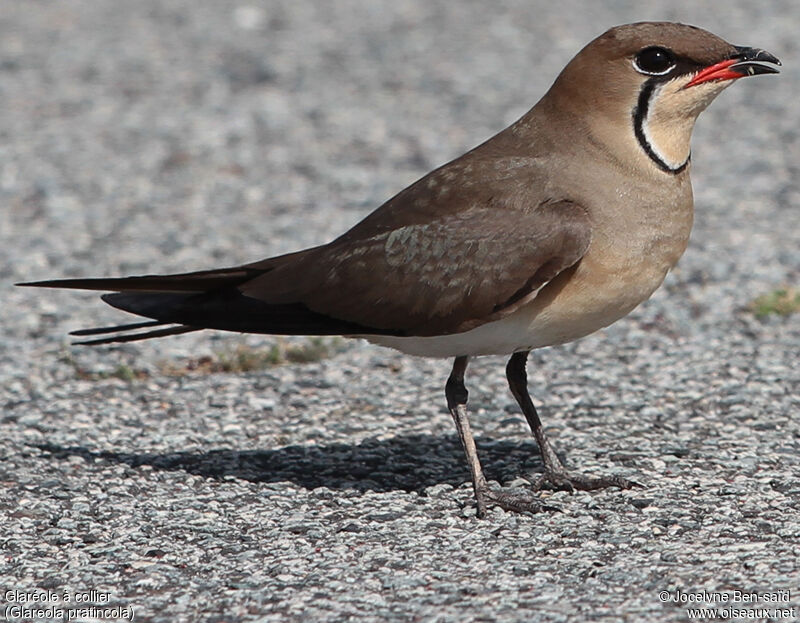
[(747, 62)]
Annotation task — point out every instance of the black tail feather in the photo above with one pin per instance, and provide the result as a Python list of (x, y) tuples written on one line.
[(200, 281), (230, 310), (135, 337), (120, 327), (226, 310)]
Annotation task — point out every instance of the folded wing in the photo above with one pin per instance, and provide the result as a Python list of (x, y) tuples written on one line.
[(437, 277)]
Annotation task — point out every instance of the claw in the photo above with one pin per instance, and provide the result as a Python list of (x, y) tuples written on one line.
[(511, 501), (563, 481)]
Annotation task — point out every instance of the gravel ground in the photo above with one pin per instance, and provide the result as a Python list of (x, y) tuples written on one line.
[(164, 135)]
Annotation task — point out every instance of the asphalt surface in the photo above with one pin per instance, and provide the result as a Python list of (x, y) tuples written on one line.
[(171, 135)]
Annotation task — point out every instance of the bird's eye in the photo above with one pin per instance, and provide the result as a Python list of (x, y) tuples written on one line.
[(654, 61)]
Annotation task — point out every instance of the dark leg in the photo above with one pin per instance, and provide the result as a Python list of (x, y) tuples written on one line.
[(457, 395), (554, 472)]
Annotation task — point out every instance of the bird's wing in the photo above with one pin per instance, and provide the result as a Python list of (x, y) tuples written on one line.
[(465, 245), (438, 276)]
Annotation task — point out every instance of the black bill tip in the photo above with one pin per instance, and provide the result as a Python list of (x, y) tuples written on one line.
[(754, 61), (754, 54)]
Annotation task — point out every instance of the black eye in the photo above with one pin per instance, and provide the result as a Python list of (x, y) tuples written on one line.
[(654, 61)]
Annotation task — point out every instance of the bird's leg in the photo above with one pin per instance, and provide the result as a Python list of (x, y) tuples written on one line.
[(555, 474), (457, 396)]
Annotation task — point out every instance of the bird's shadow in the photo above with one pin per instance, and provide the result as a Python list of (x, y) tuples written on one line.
[(407, 463)]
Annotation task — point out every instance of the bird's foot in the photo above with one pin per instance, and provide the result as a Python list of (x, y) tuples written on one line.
[(512, 500), (562, 480)]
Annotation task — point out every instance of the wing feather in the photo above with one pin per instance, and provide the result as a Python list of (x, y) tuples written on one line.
[(443, 276)]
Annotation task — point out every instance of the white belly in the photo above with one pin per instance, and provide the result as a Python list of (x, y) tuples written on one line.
[(510, 334)]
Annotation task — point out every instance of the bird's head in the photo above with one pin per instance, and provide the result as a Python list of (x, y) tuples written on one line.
[(646, 83)]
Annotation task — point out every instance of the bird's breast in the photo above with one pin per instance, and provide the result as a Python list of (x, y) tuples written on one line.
[(626, 262)]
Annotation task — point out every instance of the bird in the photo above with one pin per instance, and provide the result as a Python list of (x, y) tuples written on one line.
[(552, 229)]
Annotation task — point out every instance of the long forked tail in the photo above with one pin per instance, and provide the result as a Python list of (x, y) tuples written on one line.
[(163, 289), (187, 302)]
